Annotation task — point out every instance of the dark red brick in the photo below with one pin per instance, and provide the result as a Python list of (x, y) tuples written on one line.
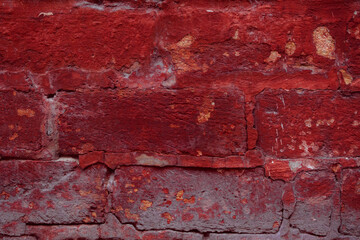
[(201, 200), (350, 202), (202, 122), (50, 35), (22, 124), (300, 123), (314, 205), (15, 81), (56, 192), (267, 44)]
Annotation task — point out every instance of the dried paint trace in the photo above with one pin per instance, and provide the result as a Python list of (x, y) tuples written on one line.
[(149, 119)]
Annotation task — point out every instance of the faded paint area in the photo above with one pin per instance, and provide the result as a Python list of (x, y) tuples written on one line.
[(178, 204)]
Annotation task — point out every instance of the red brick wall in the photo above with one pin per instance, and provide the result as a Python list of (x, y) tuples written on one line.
[(207, 119)]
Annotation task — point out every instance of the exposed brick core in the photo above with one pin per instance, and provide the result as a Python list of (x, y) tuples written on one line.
[(164, 119)]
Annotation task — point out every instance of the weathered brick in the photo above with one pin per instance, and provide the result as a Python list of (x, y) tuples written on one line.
[(300, 123), (88, 232), (15, 81), (70, 79), (48, 35), (208, 122), (22, 124), (314, 202), (113, 229), (350, 202), (57, 192), (269, 44), (201, 200)]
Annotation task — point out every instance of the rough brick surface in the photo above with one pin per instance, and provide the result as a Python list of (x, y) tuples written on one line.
[(179, 119), (298, 123), (199, 123), (350, 202), (51, 37), (314, 194), (50, 193), (22, 124), (224, 200)]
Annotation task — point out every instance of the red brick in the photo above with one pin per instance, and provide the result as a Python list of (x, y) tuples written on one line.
[(202, 122), (202, 200), (15, 81), (75, 79), (57, 192), (314, 205), (22, 123), (300, 123), (352, 40), (50, 35), (90, 159), (248, 40), (350, 202)]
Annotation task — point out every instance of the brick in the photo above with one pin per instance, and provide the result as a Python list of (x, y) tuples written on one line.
[(202, 122), (314, 193), (88, 232), (350, 202), (282, 50), (15, 81), (57, 192), (300, 123), (70, 79), (200, 200), (353, 39), (51, 35), (22, 124), (113, 229), (19, 238), (90, 159)]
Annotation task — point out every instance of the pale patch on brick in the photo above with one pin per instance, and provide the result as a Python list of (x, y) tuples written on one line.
[(186, 41), (346, 77), (146, 160), (273, 57), (25, 112), (324, 42), (290, 48), (308, 122)]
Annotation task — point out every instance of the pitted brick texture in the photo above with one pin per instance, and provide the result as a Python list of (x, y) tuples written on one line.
[(164, 119)]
